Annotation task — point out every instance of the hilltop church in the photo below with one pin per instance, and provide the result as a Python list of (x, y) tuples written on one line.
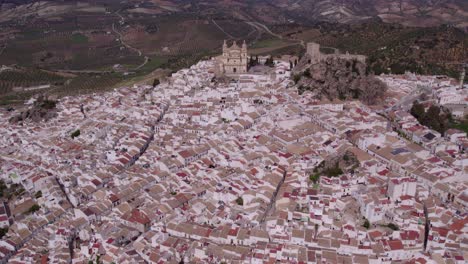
[(234, 59)]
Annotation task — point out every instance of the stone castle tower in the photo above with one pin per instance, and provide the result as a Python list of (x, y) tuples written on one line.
[(234, 59), (313, 50)]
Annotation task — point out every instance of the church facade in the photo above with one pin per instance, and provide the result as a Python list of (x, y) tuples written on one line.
[(234, 59)]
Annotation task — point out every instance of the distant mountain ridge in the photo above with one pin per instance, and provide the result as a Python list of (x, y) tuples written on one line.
[(421, 13)]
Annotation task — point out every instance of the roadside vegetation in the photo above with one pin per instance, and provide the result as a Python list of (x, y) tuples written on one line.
[(437, 118)]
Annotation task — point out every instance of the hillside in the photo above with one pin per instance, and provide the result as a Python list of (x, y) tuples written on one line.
[(105, 42)]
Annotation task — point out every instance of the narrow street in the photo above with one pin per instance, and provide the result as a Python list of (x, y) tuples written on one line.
[(269, 211)]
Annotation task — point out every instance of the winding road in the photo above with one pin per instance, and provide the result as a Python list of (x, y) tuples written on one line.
[(128, 46)]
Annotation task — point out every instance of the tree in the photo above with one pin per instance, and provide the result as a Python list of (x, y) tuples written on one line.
[(34, 208), (156, 82), (38, 194), (432, 118), (397, 68), (314, 177), (296, 78), (240, 201), (270, 62), (3, 187), (393, 226), (334, 171), (3, 232), (346, 157), (366, 224), (417, 110), (75, 134)]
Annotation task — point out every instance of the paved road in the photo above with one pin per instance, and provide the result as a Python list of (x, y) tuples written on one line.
[(406, 101)]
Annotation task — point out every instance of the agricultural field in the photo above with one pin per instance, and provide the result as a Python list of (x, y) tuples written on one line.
[(17, 77), (107, 42), (394, 48), (274, 47)]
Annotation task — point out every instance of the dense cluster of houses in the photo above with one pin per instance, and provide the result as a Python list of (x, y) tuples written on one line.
[(202, 170)]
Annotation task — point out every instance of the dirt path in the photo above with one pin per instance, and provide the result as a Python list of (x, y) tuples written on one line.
[(122, 41), (222, 29), (260, 26)]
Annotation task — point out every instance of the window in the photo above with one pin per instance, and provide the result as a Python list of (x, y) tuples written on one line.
[(235, 70)]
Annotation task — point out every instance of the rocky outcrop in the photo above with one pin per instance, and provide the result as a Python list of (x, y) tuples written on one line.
[(43, 109), (336, 78)]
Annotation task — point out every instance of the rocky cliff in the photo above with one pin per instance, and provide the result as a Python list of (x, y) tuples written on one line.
[(342, 79)]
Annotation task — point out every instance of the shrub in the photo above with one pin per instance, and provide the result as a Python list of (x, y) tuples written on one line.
[(393, 226), (33, 208), (38, 195), (314, 177), (366, 224)]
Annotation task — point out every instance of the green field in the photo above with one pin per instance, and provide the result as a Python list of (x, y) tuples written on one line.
[(462, 126), (79, 38), (268, 43)]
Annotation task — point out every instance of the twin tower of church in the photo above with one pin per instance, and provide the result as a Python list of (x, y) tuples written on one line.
[(234, 59)]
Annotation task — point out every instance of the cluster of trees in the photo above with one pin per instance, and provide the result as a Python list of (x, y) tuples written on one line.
[(270, 62), (331, 171), (9, 192), (334, 171), (435, 117), (335, 166), (253, 61)]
